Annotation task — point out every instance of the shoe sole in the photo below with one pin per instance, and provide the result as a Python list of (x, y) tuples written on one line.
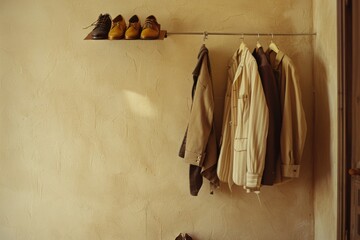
[(150, 38), (131, 38), (98, 38), (115, 38)]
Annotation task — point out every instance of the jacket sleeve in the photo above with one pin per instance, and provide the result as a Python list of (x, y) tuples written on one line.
[(224, 168), (293, 133), (257, 131), (200, 119)]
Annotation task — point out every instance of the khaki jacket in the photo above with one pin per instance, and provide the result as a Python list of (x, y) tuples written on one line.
[(293, 128), (245, 124), (199, 147)]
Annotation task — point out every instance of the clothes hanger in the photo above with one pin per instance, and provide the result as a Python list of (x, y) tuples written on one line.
[(258, 45), (272, 45), (242, 44), (206, 34)]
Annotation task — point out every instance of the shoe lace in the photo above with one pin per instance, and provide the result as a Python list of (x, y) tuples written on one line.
[(149, 22), (98, 23)]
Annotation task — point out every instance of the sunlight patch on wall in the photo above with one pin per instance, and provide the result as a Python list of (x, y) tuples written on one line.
[(140, 104)]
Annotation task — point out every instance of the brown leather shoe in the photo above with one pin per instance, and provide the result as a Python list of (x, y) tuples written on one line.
[(134, 28), (151, 28), (102, 27), (183, 236), (118, 28)]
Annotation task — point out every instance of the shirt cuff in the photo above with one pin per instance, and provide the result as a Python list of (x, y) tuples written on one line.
[(254, 190), (253, 180), (193, 158), (291, 171)]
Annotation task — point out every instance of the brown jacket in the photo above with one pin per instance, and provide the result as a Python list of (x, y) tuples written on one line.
[(199, 147), (272, 96)]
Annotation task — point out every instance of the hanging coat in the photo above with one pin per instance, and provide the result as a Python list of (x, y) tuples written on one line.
[(245, 124), (272, 96), (293, 128), (199, 147)]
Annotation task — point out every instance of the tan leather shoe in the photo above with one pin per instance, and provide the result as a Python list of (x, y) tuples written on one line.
[(151, 28), (134, 29), (118, 28)]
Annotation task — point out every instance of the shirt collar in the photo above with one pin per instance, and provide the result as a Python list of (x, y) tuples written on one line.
[(278, 59)]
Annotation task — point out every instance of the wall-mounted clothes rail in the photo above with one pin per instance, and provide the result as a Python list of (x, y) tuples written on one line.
[(240, 34)]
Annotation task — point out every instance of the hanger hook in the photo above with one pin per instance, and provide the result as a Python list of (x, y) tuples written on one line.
[(206, 34), (242, 37), (272, 37)]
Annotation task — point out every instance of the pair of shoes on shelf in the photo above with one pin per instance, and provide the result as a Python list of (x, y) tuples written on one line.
[(105, 28), (150, 30)]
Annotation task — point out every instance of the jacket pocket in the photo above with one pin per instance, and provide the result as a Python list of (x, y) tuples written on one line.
[(240, 161), (240, 144), (242, 101)]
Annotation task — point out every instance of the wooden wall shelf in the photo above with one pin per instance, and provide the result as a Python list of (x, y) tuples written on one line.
[(163, 34)]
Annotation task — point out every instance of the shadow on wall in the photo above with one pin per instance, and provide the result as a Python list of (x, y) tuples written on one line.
[(322, 128), (219, 60)]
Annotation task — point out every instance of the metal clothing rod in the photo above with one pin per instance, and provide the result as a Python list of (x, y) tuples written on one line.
[(241, 34)]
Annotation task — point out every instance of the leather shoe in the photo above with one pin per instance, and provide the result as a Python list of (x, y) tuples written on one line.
[(118, 28), (134, 29), (151, 28), (102, 27), (183, 236)]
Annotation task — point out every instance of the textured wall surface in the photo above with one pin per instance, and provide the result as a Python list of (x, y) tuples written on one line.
[(325, 120), (90, 130)]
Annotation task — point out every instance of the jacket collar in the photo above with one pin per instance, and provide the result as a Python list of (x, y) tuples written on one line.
[(260, 57), (274, 58), (239, 59), (203, 52)]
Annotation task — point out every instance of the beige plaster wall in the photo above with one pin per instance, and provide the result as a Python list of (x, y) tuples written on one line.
[(90, 130), (325, 119)]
